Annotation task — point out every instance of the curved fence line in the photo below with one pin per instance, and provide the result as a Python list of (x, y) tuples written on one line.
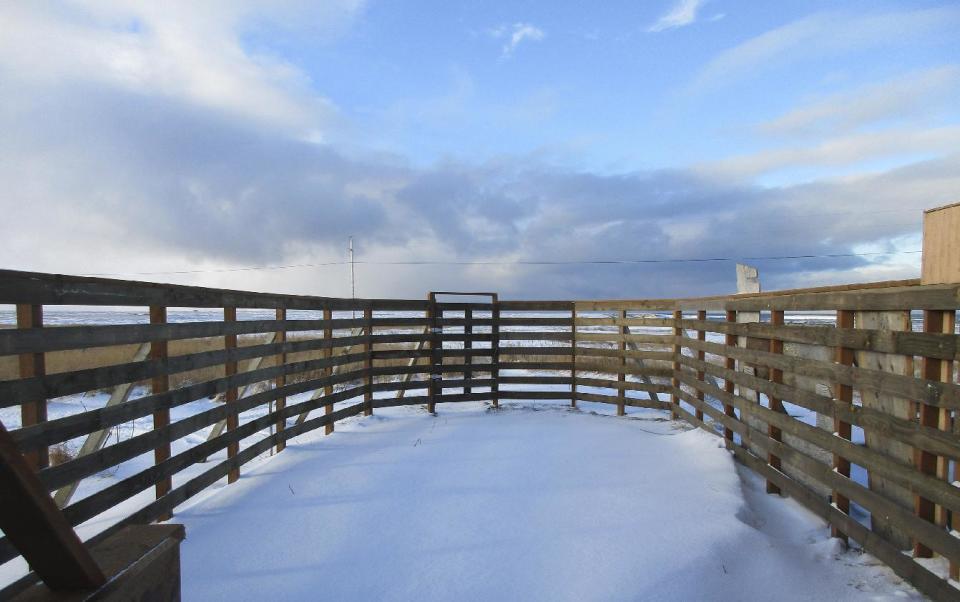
[(845, 398)]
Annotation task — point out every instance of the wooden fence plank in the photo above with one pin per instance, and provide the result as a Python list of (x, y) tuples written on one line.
[(495, 345), (926, 462), (842, 429), (468, 346), (231, 395), (159, 385), (776, 404), (621, 375), (281, 379), (891, 405), (436, 356), (33, 365), (730, 363), (96, 440), (30, 519), (368, 363), (573, 356), (327, 353)]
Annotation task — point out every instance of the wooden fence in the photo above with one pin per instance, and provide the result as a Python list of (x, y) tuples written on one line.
[(844, 398)]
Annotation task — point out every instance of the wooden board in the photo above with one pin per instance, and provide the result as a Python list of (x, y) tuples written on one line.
[(892, 405), (941, 245)]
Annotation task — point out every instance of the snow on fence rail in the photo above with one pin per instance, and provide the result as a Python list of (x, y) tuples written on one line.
[(835, 396)]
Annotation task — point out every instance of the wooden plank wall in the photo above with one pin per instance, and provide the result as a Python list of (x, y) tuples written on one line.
[(883, 485), (845, 354)]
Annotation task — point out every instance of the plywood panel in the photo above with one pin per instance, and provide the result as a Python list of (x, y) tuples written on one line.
[(941, 245)]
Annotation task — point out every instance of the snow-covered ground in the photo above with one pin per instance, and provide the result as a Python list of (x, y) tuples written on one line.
[(525, 503)]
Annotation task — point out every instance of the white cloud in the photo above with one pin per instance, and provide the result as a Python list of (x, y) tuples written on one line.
[(682, 14), (823, 34), (515, 34), (915, 94), (842, 151), (187, 51)]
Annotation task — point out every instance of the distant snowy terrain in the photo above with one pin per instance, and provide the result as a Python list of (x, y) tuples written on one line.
[(525, 503)]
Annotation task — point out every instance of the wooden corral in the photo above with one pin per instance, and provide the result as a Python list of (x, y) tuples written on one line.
[(868, 339)]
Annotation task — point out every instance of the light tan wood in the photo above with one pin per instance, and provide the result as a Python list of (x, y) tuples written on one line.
[(892, 405), (941, 245)]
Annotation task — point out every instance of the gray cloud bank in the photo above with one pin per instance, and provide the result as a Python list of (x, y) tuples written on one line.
[(107, 181), (106, 173)]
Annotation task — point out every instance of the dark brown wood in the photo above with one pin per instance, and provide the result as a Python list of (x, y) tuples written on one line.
[(872, 501), (79, 381), (368, 362), (842, 429), (58, 289), (495, 350), (883, 424), (776, 404), (436, 355), (924, 579), (74, 425), (730, 363), (621, 375), (230, 395), (573, 357), (159, 385), (936, 393), (944, 346), (281, 380), (83, 337), (30, 519), (468, 346), (677, 349), (928, 486), (701, 355), (327, 355), (926, 462), (33, 365)]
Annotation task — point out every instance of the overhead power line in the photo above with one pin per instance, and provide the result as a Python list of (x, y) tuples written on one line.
[(519, 262)]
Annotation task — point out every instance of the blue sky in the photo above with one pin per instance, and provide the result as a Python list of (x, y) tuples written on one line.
[(152, 139)]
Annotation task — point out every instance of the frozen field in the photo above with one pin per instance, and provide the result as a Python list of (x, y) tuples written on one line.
[(525, 503)]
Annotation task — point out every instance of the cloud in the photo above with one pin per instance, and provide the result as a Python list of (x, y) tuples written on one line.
[(683, 13), (515, 34), (104, 173), (823, 34), (914, 94), (844, 150), (180, 50), (148, 184)]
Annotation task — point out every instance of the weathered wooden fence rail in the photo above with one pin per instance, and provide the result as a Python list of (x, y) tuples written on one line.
[(830, 384)]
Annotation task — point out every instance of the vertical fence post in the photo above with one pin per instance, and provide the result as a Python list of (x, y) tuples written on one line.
[(495, 352), (776, 404), (160, 384), (33, 365), (843, 393), (702, 357), (946, 424), (622, 373), (368, 362), (730, 363), (328, 371), (230, 369), (281, 379), (468, 348), (573, 355), (677, 349), (436, 347), (930, 416)]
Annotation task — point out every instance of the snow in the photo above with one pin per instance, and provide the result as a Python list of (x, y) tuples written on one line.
[(531, 502)]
